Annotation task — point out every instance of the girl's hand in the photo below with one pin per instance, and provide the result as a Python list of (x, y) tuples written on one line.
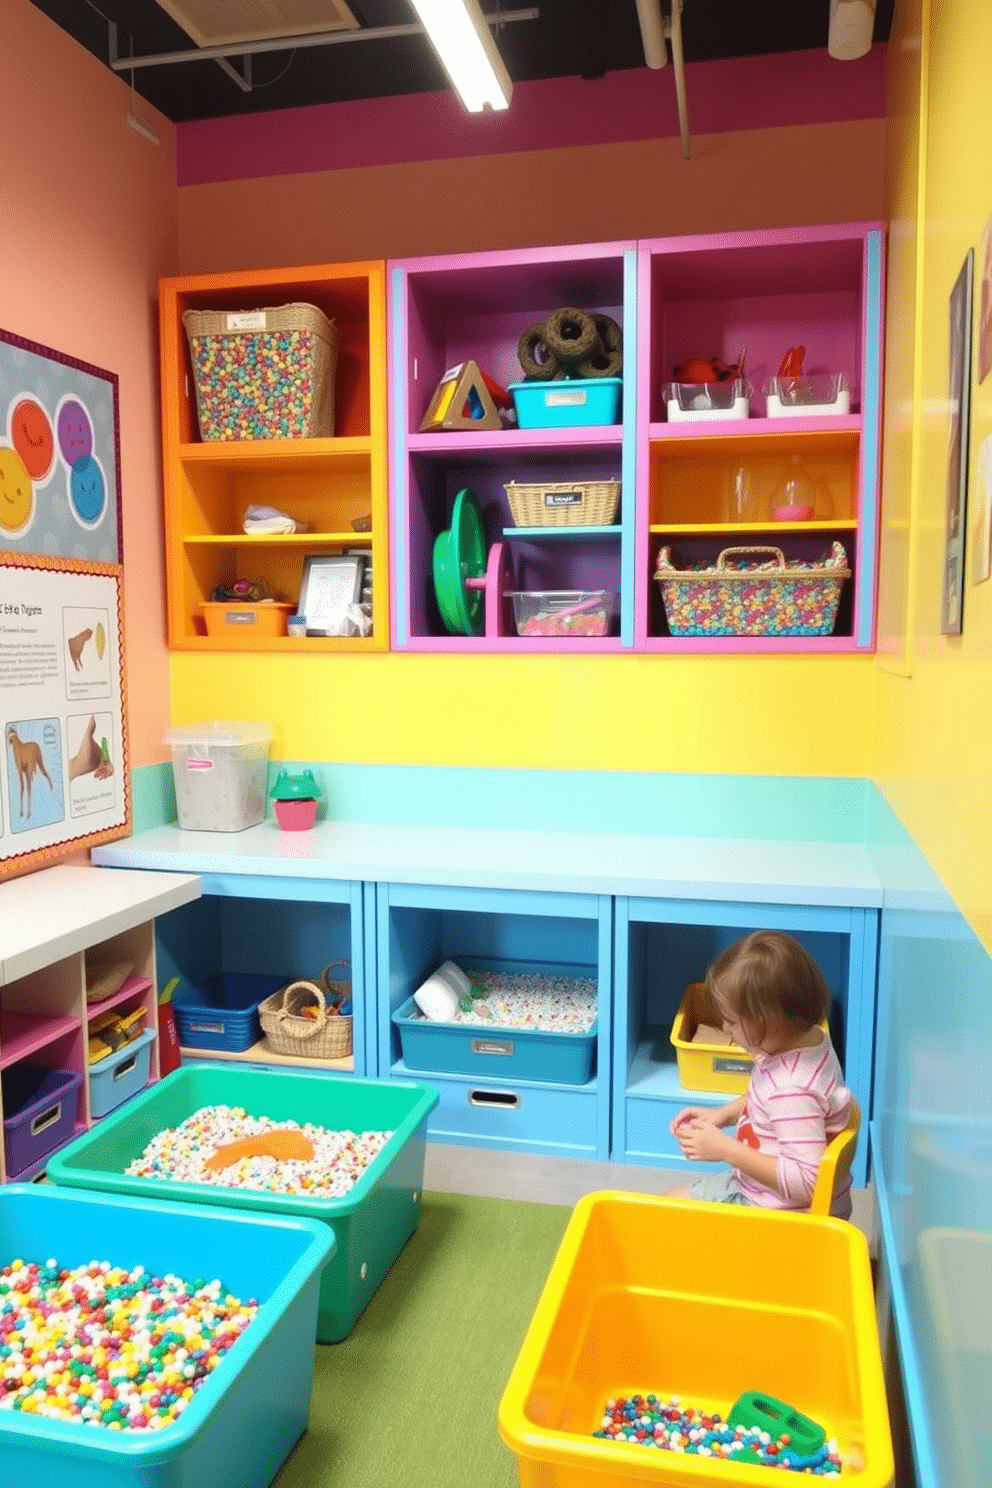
[(701, 1141), (692, 1113)]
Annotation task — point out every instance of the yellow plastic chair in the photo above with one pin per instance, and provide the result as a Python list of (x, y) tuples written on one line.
[(835, 1164)]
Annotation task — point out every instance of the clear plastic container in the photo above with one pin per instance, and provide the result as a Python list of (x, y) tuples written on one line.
[(564, 612), (821, 394), (221, 774), (708, 400)]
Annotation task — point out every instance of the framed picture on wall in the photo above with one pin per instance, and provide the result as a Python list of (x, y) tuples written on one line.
[(959, 405), (985, 307)]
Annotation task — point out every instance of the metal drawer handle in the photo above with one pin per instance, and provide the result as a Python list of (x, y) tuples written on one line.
[(503, 1099)]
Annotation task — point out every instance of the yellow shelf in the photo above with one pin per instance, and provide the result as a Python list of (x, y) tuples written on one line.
[(749, 529), (286, 539)]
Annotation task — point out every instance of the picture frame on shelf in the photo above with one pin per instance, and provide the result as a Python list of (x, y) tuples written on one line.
[(332, 584), (959, 405)]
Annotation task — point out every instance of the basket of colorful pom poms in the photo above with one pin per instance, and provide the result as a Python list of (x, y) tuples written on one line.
[(310, 1018)]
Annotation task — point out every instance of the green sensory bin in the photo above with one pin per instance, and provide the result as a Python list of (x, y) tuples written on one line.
[(371, 1223)]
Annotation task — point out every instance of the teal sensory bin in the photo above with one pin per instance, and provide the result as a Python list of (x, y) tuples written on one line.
[(247, 1416), (569, 404), (371, 1223)]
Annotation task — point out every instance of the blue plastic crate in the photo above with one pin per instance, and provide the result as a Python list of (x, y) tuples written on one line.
[(485, 1049), (554, 405), (249, 1413), (221, 1012), (121, 1074), (371, 1223), (39, 1112)]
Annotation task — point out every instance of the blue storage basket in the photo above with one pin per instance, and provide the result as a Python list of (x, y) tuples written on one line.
[(118, 1076), (555, 405), (222, 1011), (495, 1050)]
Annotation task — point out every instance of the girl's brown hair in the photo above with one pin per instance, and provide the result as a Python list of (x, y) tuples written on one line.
[(767, 981)]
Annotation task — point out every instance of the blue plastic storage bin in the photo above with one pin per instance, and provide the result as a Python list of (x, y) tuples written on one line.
[(371, 1223), (506, 1053), (121, 1074), (553, 405), (222, 1011), (39, 1113), (249, 1413)]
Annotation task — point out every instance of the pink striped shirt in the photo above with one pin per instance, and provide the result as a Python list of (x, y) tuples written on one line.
[(796, 1102)]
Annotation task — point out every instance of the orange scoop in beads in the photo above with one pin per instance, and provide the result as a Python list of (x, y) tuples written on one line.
[(284, 1146)]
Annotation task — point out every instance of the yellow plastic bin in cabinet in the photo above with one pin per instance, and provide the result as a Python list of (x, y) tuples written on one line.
[(704, 1301), (705, 1064)]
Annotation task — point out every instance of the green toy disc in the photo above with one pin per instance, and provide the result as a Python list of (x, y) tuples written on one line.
[(460, 554)]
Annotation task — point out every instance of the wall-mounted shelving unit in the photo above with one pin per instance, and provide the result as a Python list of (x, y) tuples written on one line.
[(328, 483), (445, 311), (707, 486)]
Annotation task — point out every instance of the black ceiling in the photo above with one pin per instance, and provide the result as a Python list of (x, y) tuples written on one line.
[(583, 38)]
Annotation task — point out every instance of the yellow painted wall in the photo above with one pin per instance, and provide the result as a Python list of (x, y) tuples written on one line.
[(934, 719), (768, 715), (771, 715)]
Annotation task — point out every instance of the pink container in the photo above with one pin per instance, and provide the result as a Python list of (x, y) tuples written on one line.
[(296, 816)]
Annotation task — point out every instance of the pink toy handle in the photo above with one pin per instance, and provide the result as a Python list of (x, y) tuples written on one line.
[(479, 583), (586, 604)]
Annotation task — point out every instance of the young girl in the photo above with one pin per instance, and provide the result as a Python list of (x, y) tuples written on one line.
[(771, 997)]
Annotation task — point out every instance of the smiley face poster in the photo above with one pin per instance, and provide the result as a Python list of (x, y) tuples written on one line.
[(59, 455)]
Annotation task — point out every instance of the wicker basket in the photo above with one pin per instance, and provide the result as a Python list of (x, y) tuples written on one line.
[(327, 1036), (263, 374), (739, 596), (563, 503)]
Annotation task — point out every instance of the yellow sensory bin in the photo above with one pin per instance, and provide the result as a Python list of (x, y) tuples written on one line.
[(704, 1302)]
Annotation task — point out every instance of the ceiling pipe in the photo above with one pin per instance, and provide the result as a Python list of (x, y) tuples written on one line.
[(678, 66), (654, 31), (289, 43)]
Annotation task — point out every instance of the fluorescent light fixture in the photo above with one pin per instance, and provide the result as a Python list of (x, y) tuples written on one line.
[(460, 35), (137, 123), (852, 23)]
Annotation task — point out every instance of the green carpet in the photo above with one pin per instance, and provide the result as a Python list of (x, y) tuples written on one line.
[(410, 1398)]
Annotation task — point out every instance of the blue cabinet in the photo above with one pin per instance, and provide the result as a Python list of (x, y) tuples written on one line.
[(663, 944), (289, 927), (417, 928)]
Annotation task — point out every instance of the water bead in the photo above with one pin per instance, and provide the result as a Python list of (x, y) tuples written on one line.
[(180, 1154), (664, 1425)]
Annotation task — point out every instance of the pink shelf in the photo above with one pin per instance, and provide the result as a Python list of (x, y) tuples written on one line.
[(22, 1034), (509, 441), (722, 428), (133, 987)]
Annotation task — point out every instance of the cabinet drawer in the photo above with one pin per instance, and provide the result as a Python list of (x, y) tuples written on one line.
[(648, 1137), (531, 1118)]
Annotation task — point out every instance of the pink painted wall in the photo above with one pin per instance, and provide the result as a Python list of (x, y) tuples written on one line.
[(789, 139), (89, 225)]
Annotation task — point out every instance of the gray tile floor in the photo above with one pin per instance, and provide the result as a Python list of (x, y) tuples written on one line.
[(561, 1180)]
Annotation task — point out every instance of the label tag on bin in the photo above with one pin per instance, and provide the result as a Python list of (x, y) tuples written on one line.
[(492, 1046)]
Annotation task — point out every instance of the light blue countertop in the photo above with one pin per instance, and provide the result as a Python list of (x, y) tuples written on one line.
[(656, 867)]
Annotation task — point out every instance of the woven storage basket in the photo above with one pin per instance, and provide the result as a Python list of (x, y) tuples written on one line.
[(563, 503), (263, 374), (328, 1036), (745, 594)]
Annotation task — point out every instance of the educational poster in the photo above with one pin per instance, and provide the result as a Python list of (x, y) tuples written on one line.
[(64, 781), (59, 455)]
